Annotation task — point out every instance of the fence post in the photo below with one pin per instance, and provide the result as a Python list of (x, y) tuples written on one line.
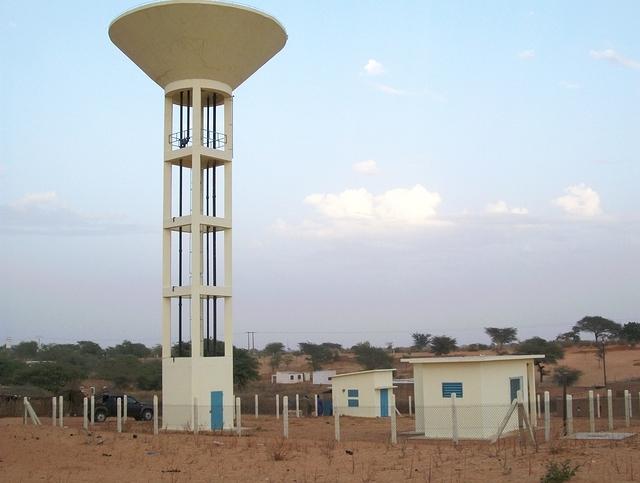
[(336, 423), (547, 417), (196, 420), (297, 405), (119, 415), (538, 412), (454, 419), (394, 426), (630, 405), (54, 409), (277, 406), (569, 414), (239, 416), (124, 409), (24, 405), (598, 405), (255, 400), (155, 414), (61, 411), (627, 409), (410, 408), (93, 410), (592, 421), (610, 408), (85, 414), (315, 400), (285, 416)]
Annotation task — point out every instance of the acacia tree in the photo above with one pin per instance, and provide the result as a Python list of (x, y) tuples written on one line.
[(565, 376), (371, 357), (631, 333), (420, 341), (552, 351), (442, 344), (274, 350), (602, 330), (501, 336), (317, 354)]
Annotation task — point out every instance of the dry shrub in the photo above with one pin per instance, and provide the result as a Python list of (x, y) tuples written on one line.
[(279, 449)]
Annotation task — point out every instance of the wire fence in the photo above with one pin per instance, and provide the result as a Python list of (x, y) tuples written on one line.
[(308, 418)]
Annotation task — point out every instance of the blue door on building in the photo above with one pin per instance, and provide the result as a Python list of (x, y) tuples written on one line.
[(217, 422), (515, 384), (384, 402)]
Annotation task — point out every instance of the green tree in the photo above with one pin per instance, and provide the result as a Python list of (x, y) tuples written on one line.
[(565, 376), (123, 370), (442, 345), (274, 350), (149, 377), (245, 367), (371, 357), (602, 330), (317, 354), (9, 367), (552, 351), (127, 348), (631, 333), (420, 341), (501, 336), (26, 351), (569, 338), (89, 347), (52, 376)]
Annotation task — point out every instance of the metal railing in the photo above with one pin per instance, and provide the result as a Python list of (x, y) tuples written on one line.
[(211, 139), (181, 139)]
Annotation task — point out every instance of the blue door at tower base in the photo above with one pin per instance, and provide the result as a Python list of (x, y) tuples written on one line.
[(217, 421), (384, 402)]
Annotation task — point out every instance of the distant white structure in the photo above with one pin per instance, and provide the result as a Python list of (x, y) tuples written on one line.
[(288, 377), (365, 393), (484, 386), (322, 377)]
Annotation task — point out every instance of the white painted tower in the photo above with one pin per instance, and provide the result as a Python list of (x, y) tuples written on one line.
[(199, 52)]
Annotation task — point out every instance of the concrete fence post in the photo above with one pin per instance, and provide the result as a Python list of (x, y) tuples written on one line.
[(394, 424), (155, 414), (410, 407), (61, 411), (610, 408), (315, 401), (547, 417), (26, 413), (592, 421), (85, 414), (538, 412), (119, 415), (598, 405), (285, 416), (239, 416), (336, 422), (630, 405), (627, 409), (196, 419), (125, 405), (277, 406), (569, 414), (297, 405), (92, 417), (54, 409), (454, 419), (255, 401)]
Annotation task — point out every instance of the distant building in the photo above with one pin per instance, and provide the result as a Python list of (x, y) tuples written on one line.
[(484, 386), (365, 393), (289, 377), (322, 377)]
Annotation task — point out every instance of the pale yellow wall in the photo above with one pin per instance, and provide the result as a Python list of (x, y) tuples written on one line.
[(368, 396)]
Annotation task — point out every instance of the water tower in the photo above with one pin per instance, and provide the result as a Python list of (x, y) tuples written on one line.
[(199, 52)]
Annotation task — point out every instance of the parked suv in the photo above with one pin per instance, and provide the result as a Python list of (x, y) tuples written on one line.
[(106, 406)]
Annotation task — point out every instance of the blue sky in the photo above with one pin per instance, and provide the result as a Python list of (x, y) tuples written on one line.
[(399, 166)]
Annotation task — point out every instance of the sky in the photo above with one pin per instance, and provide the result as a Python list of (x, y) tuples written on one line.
[(399, 167)]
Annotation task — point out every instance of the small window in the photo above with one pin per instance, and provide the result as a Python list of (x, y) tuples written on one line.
[(353, 403), (299, 376), (449, 388), (291, 377), (352, 393), (352, 398)]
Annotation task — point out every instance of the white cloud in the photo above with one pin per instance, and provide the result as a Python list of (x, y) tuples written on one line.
[(404, 206), (369, 167), (501, 207), (615, 57), (527, 54), (570, 85), (580, 200), (41, 200), (390, 90), (373, 67)]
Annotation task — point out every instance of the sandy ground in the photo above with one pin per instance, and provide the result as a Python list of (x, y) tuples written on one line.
[(29, 453), (623, 363)]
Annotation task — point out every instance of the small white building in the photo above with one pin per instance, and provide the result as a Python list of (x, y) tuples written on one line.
[(484, 388), (322, 377), (365, 393), (289, 377)]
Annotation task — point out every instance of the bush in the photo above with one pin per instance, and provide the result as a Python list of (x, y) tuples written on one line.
[(559, 472)]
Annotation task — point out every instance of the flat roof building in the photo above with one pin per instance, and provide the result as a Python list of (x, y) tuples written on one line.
[(364, 394)]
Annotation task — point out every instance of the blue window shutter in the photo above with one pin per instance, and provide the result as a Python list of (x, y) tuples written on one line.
[(352, 393), (353, 403), (449, 388)]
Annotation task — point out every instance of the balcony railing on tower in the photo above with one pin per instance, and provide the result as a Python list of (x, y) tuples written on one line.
[(210, 139)]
